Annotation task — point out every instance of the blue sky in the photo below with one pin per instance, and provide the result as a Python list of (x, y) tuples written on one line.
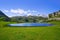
[(29, 7)]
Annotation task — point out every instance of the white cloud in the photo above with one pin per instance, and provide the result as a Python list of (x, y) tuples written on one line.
[(21, 11), (29, 14), (6, 11), (34, 11)]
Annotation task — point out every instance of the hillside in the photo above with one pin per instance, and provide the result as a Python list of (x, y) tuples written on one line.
[(3, 17), (30, 19), (54, 15)]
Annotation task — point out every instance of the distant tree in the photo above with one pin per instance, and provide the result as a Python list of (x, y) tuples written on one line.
[(50, 15), (26, 20), (59, 11), (2, 18), (54, 13)]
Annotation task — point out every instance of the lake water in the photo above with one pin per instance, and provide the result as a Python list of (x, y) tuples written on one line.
[(31, 24)]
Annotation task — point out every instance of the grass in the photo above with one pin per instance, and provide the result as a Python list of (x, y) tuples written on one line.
[(30, 33)]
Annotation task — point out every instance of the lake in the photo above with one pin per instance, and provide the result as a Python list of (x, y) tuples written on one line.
[(31, 24)]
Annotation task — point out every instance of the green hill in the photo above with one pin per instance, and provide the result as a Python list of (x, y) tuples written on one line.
[(3, 17)]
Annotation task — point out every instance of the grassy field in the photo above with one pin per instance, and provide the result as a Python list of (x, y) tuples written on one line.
[(30, 33)]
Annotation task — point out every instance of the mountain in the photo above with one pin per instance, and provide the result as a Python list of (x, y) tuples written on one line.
[(55, 14), (5, 17)]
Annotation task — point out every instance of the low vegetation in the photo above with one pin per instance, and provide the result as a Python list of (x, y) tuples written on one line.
[(30, 33)]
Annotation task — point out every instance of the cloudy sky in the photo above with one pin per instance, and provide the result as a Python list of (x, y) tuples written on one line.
[(29, 7)]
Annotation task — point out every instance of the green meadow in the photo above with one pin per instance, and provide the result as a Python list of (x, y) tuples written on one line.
[(30, 33)]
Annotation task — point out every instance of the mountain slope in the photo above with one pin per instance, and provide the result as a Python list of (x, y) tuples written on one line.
[(5, 17)]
